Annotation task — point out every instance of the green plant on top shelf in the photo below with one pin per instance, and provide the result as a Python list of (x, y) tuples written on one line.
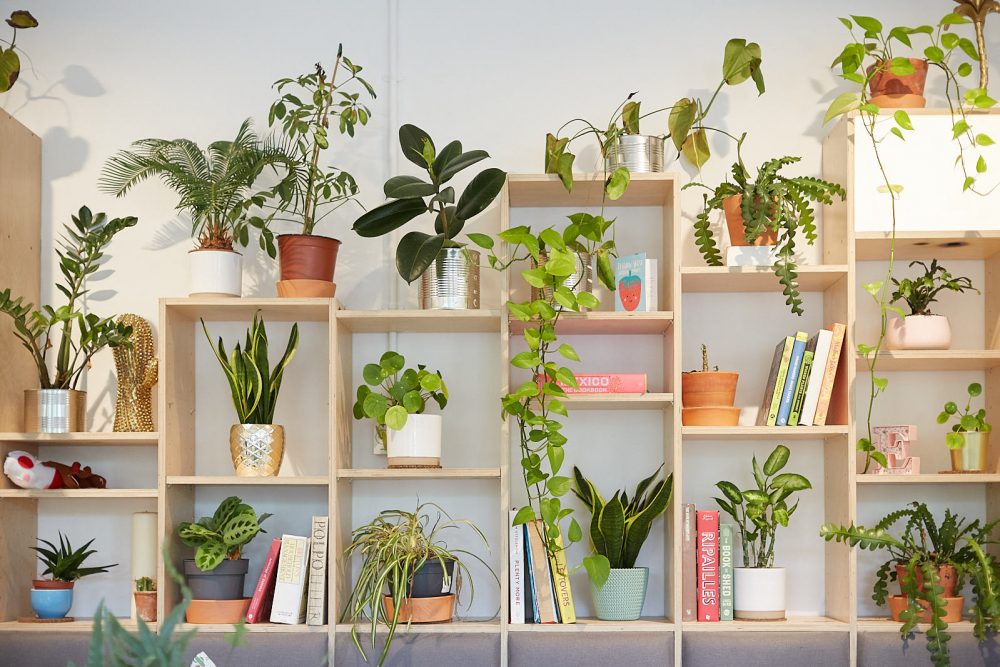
[(921, 292), (223, 535), (10, 62), (65, 563), (619, 527), (773, 208), (925, 558), (390, 393), (252, 381), (760, 511), (80, 335), (145, 585), (968, 421), (685, 121)]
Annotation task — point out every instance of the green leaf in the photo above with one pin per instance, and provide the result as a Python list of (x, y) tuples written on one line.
[(575, 533), (524, 515), (934, 54), (525, 360), (981, 165), (617, 183), (954, 440), (598, 568), (868, 24), (695, 148), (731, 491), (630, 117), (414, 143), (480, 192), (416, 252), (975, 389), (558, 486), (481, 240), (22, 19), (587, 300), (679, 121), (903, 119), (567, 351), (790, 482), (373, 374), (779, 457), (965, 69), (842, 104), (388, 217), (459, 163), (739, 61), (534, 277), (901, 66), (401, 187), (395, 417), (10, 69), (984, 140)]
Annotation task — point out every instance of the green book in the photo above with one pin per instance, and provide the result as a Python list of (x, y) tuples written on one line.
[(726, 572), (800, 389), (779, 383)]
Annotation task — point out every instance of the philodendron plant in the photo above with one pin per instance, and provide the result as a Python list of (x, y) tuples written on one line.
[(414, 195), (759, 511), (968, 421), (223, 535), (619, 527)]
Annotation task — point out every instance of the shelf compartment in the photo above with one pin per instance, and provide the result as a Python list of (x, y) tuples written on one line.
[(546, 190), (607, 323), (930, 478), (880, 624), (762, 432), (645, 624), (101, 494), (79, 625), (791, 624), (618, 401), (418, 473), (274, 309), (874, 246), (233, 480), (465, 626), (89, 438), (933, 360), (757, 278), (205, 628), (420, 321)]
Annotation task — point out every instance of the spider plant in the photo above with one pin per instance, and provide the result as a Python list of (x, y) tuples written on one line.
[(64, 563), (393, 547)]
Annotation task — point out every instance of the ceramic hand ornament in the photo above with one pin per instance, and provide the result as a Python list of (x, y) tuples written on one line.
[(137, 370)]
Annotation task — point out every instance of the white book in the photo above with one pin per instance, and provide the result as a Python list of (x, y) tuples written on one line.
[(316, 597), (289, 605), (653, 300), (824, 338), (516, 571), (751, 255)]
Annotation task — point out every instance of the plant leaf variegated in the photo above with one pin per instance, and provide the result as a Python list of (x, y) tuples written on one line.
[(223, 535)]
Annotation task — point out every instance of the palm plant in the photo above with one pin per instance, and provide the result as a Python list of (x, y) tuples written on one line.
[(215, 184), (64, 563)]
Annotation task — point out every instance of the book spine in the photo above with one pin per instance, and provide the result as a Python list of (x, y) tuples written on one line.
[(779, 384), (726, 572), (772, 378), (288, 605), (816, 377), (689, 565), (708, 565), (607, 383), (651, 288), (561, 585), (800, 390), (529, 568), (829, 375), (516, 571), (316, 597), (792, 381), (541, 573), (265, 585)]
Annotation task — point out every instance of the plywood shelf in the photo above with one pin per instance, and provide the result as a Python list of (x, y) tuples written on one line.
[(619, 401), (78, 625), (89, 438), (943, 245), (606, 323), (933, 360), (645, 624), (418, 473), (776, 433), (546, 190), (930, 478), (465, 626), (878, 624), (239, 310), (791, 624), (232, 480), (98, 494), (420, 321), (280, 628), (725, 279)]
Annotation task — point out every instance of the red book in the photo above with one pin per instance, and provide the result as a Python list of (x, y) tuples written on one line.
[(260, 603), (708, 565), (606, 383)]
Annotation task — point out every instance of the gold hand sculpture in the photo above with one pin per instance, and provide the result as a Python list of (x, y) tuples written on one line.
[(137, 373), (977, 11)]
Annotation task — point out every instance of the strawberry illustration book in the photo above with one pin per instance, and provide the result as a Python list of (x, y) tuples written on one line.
[(635, 279)]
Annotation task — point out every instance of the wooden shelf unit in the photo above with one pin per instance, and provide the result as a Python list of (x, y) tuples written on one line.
[(933, 360)]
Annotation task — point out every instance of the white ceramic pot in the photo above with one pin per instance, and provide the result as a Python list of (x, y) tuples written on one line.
[(918, 332), (759, 593), (216, 273), (417, 444)]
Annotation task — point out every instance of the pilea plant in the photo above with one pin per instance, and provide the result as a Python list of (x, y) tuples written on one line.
[(223, 535), (921, 292), (685, 122), (968, 421), (10, 62)]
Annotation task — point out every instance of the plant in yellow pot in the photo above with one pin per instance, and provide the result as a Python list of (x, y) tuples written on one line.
[(708, 395), (969, 438)]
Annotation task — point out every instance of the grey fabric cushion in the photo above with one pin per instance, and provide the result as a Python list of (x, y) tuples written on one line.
[(765, 649), (424, 650), (572, 649), (886, 649)]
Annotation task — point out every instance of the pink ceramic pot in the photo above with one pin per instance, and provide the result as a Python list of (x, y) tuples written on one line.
[(919, 332)]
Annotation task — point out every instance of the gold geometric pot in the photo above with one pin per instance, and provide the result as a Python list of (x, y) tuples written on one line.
[(55, 411), (973, 455), (257, 449)]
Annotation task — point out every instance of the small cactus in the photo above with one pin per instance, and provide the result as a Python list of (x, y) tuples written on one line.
[(145, 585), (704, 359)]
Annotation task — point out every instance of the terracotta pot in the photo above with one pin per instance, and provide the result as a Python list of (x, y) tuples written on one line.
[(439, 609), (734, 221), (891, 91), (708, 388), (307, 257), (145, 605), (302, 289), (946, 573), (222, 612), (918, 332), (710, 416), (50, 585), (952, 609)]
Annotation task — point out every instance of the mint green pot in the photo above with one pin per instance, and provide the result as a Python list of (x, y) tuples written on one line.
[(622, 595)]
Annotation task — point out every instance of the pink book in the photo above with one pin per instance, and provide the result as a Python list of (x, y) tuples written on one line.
[(708, 565), (608, 383), (260, 603)]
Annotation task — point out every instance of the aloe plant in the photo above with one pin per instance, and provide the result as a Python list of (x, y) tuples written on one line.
[(223, 535), (619, 527), (64, 563)]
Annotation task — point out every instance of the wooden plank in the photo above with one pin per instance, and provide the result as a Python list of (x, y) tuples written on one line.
[(93, 494), (546, 190), (78, 625), (606, 323), (20, 531), (489, 627), (619, 401), (791, 624), (727, 279), (233, 480), (266, 628), (340, 501), (109, 439), (871, 624), (933, 360), (930, 478), (418, 473), (583, 624), (762, 432), (420, 321), (272, 309), (943, 245), (504, 504), (838, 167)]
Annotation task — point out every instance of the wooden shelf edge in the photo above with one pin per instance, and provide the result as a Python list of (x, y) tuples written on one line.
[(418, 473), (930, 478), (231, 480), (595, 625), (763, 432), (792, 624), (82, 438), (454, 627), (101, 494)]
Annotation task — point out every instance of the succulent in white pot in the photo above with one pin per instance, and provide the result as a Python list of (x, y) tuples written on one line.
[(922, 329)]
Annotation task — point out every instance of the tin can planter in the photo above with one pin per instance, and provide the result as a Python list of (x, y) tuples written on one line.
[(257, 449), (451, 282), (918, 332), (759, 593), (55, 410), (622, 595), (581, 280), (51, 599), (216, 273), (639, 153), (417, 444), (894, 91), (145, 605), (973, 455)]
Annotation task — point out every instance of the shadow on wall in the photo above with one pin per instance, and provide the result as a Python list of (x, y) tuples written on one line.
[(76, 80)]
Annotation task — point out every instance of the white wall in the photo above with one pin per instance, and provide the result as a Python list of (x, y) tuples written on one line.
[(496, 75)]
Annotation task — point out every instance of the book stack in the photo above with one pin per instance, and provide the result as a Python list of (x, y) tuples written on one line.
[(706, 567), (799, 389), (291, 588), (894, 443), (539, 585)]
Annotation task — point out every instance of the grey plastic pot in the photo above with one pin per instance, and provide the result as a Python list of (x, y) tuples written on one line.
[(622, 595), (225, 582), (428, 581)]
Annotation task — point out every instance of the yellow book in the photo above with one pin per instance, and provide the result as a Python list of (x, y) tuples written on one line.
[(560, 584)]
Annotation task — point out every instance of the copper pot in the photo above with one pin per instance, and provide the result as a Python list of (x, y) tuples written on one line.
[(51, 584), (145, 605), (734, 221), (307, 257), (708, 388), (952, 609)]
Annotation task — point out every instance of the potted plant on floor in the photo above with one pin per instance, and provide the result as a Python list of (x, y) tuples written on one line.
[(396, 399), (618, 529), (922, 329), (145, 599), (758, 586), (57, 406), (216, 188), (216, 573), (770, 209), (256, 444), (53, 597), (448, 271), (970, 437), (708, 395), (311, 191), (405, 553), (931, 561)]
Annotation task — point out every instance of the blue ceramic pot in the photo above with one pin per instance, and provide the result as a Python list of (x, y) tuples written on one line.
[(51, 603)]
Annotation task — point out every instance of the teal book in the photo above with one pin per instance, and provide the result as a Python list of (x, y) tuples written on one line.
[(792, 381), (726, 572)]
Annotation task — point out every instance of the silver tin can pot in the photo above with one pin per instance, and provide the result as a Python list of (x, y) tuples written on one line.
[(451, 282), (639, 153), (581, 280), (54, 410)]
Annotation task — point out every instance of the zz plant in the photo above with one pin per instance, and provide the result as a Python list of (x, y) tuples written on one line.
[(967, 420), (619, 527), (919, 293), (223, 535)]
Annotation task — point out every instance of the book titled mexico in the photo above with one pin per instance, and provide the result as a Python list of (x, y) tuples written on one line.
[(726, 572), (708, 565), (607, 383)]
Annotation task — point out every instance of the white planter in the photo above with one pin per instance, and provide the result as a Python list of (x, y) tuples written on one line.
[(417, 445), (918, 332), (216, 273), (759, 593)]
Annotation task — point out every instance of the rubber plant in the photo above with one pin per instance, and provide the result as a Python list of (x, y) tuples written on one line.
[(10, 62), (921, 548), (877, 44), (770, 202), (685, 121)]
